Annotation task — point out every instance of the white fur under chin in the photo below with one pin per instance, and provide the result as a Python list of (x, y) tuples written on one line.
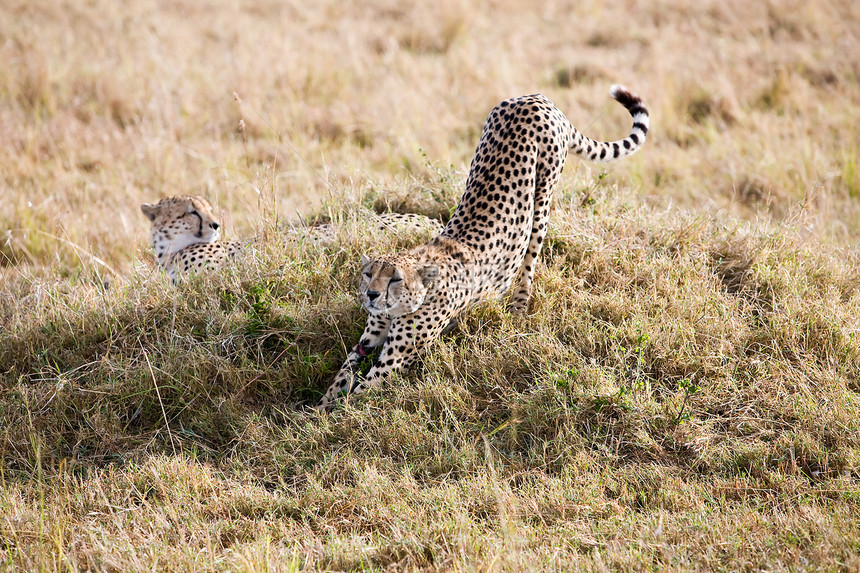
[(178, 243)]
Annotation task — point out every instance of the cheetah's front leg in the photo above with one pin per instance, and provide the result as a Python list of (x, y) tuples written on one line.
[(406, 339), (375, 333), (399, 352)]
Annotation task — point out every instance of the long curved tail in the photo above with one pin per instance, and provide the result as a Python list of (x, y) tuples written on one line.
[(607, 151)]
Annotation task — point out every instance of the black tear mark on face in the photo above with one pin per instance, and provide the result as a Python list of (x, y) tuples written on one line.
[(199, 232)]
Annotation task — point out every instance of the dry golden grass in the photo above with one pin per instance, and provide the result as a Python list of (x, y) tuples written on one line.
[(684, 393)]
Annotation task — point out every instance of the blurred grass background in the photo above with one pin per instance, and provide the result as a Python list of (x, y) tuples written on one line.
[(106, 106)]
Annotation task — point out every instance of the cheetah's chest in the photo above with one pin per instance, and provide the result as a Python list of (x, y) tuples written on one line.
[(201, 256)]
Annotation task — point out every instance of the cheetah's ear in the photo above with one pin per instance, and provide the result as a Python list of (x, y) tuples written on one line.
[(149, 210), (428, 274), (364, 261)]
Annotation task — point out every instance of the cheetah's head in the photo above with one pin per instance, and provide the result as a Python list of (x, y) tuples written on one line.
[(394, 286), (177, 222)]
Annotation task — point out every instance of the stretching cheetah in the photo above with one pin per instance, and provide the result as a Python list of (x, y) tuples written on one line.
[(493, 238)]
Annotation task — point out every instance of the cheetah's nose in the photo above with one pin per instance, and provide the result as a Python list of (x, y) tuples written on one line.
[(372, 295), (214, 226)]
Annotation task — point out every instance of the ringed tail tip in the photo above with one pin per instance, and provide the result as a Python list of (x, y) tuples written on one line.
[(628, 99)]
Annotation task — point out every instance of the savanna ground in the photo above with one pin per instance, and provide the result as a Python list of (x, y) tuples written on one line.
[(683, 393)]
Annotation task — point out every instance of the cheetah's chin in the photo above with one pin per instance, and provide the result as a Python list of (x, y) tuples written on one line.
[(374, 309)]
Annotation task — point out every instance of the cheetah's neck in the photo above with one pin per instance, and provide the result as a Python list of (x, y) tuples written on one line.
[(166, 246)]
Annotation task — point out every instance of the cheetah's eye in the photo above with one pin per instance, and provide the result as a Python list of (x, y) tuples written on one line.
[(396, 279), (368, 274)]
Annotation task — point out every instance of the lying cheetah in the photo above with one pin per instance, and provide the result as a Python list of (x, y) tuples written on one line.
[(493, 238), (386, 222), (184, 233)]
